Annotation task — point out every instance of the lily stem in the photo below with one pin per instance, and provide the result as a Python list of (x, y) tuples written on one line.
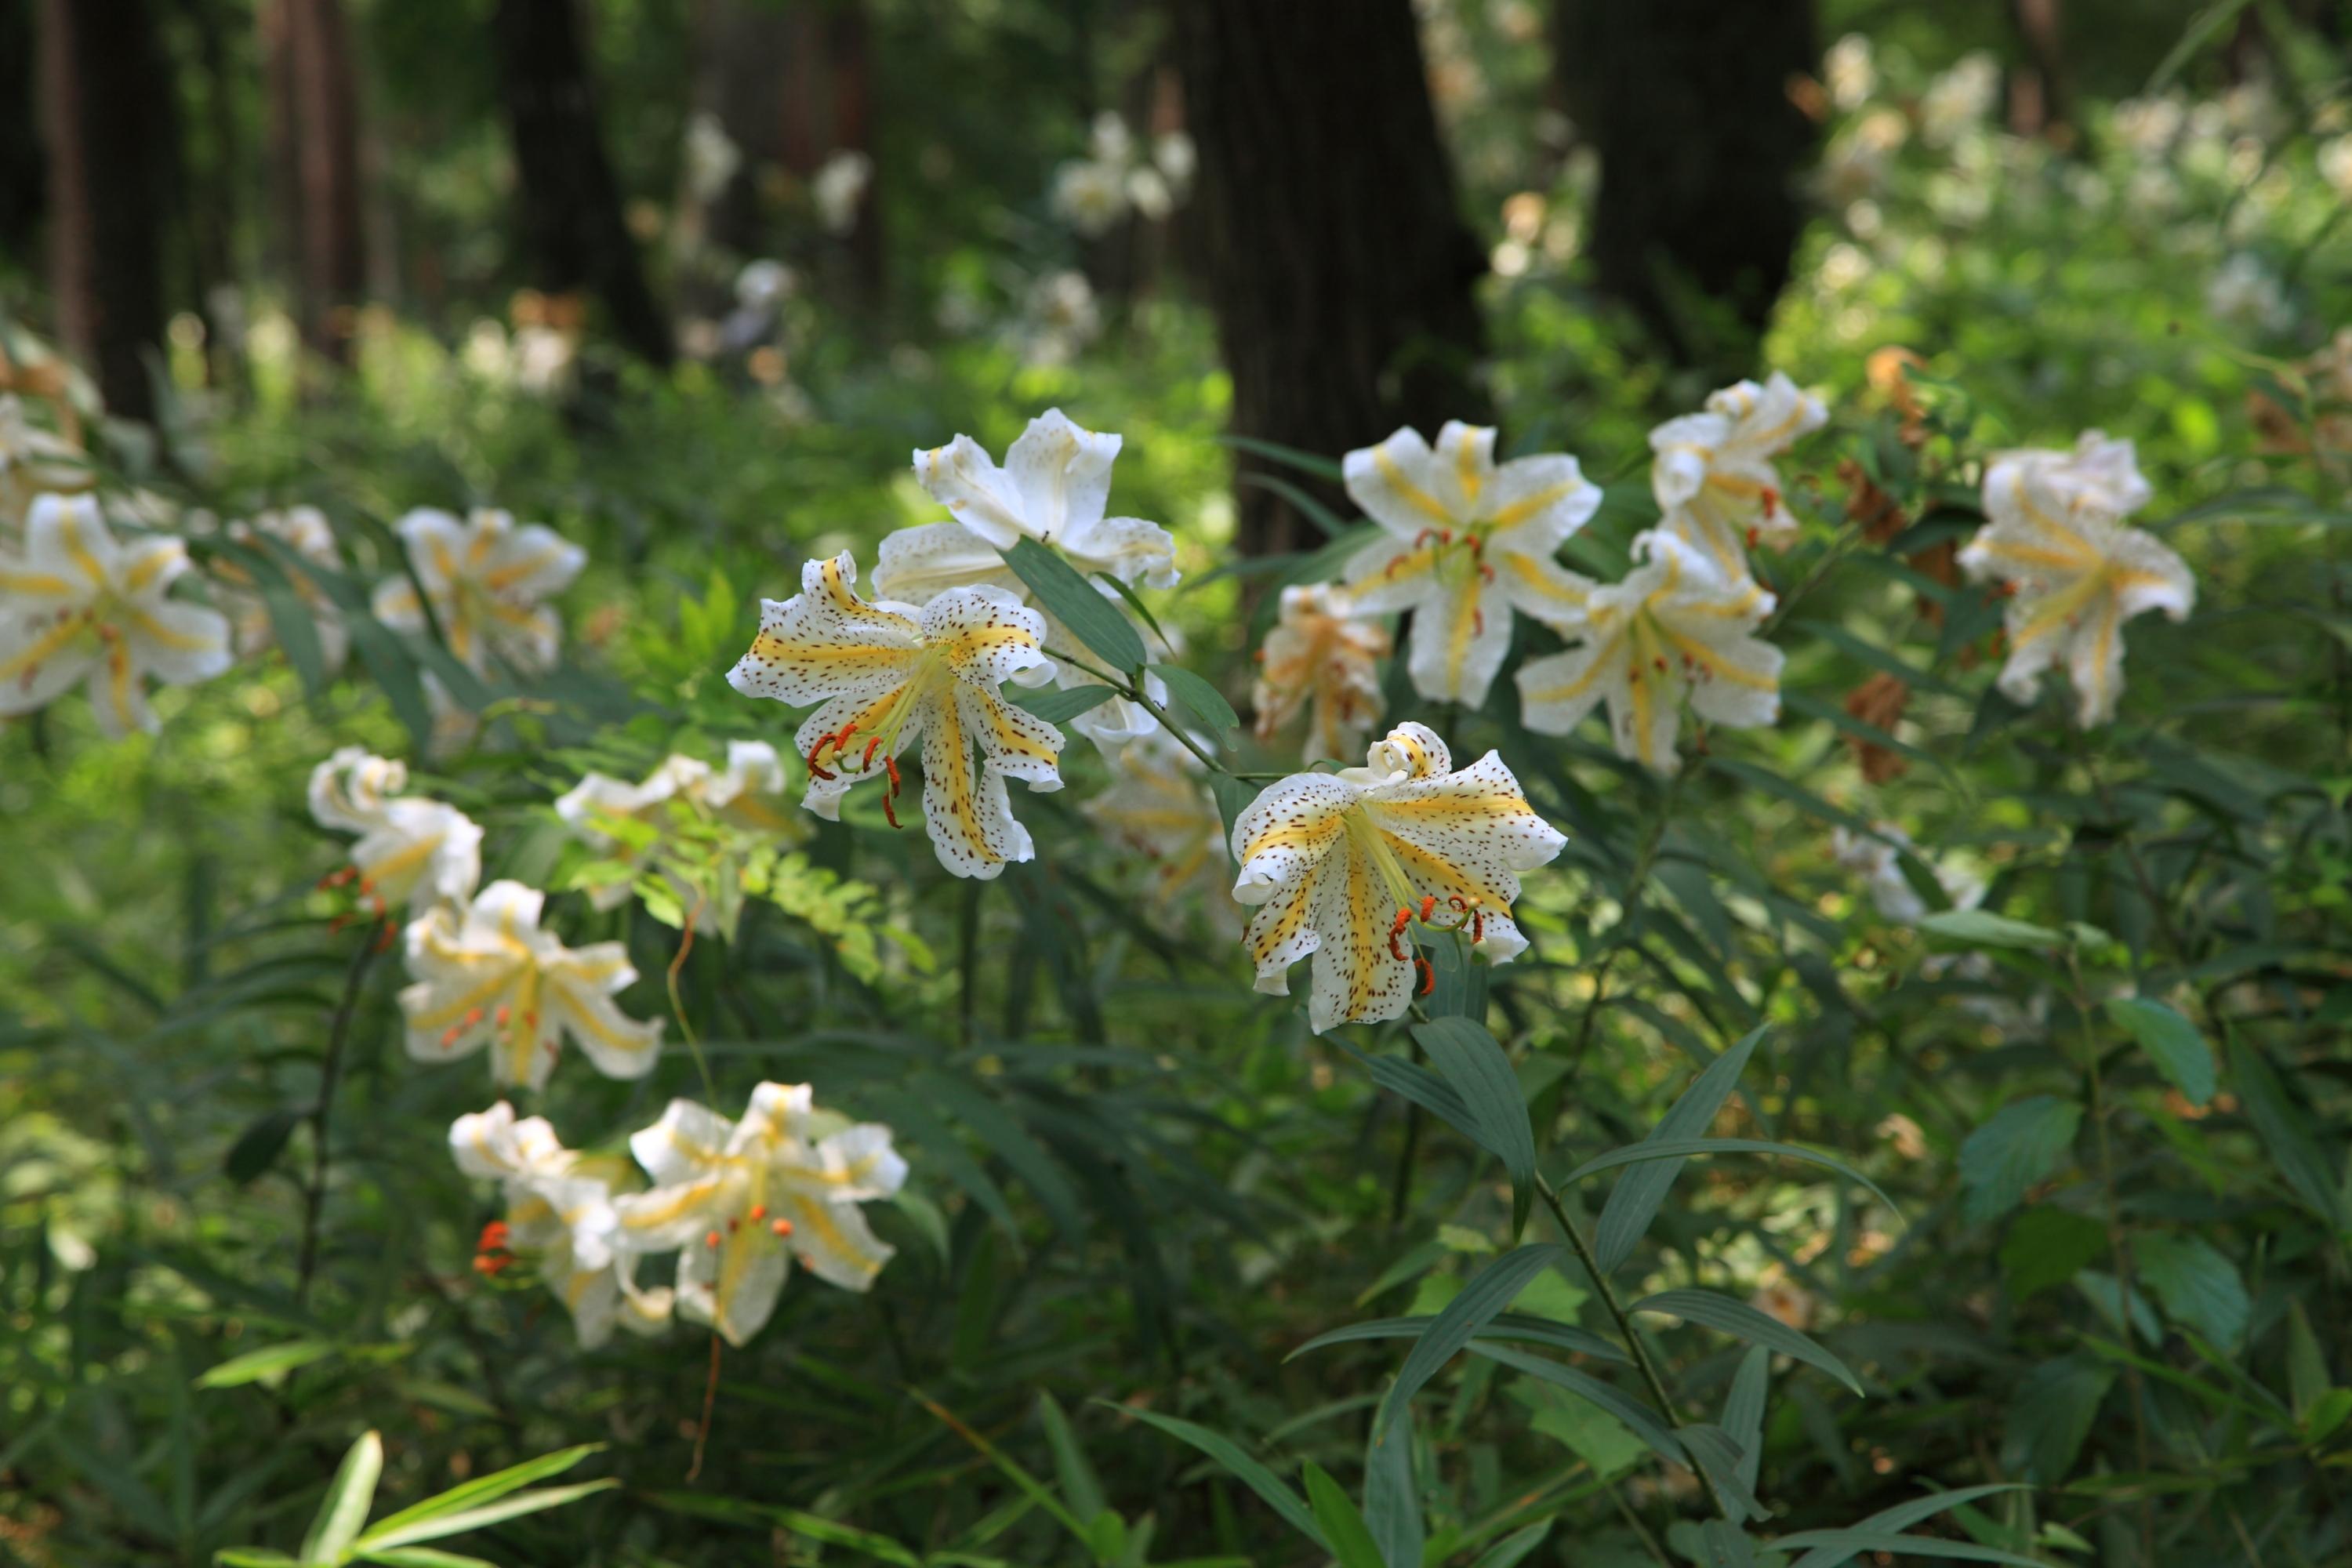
[(330, 1075), (1633, 1341)]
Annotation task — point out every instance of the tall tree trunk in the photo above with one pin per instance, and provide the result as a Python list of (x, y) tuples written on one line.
[(742, 61), (574, 235), (1699, 212), (22, 196), (315, 87), (106, 108), (1329, 242)]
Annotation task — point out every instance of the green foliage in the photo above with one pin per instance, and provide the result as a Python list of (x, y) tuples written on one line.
[(1992, 1206)]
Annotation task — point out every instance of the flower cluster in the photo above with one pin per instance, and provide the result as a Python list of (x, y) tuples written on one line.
[(77, 606), (738, 1202), (2054, 539)]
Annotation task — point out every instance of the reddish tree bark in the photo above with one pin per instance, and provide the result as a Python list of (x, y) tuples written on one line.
[(314, 101)]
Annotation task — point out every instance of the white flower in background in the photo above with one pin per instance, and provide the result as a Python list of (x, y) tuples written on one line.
[(764, 284), (543, 358), (491, 976), (2099, 473), (1053, 488), (1957, 101), (1469, 540), (1713, 476), (2148, 126), (1322, 659), (1089, 197), (305, 532), (487, 580), (1672, 627), (2074, 572), (1159, 805), (839, 188), (1059, 317), (888, 674), (741, 1200), (560, 1221), (629, 824), (1339, 865), (2335, 165), (33, 461), (1094, 193), (350, 789), (1850, 73), (1878, 861), (2245, 293), (75, 605), (711, 157), (410, 850)]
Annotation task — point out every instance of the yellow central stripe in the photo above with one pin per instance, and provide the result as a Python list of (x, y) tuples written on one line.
[(70, 539), (1419, 500), (1604, 656), (1699, 653), (36, 655), (956, 749), (1525, 569), (1459, 635), (1526, 507), (1465, 465)]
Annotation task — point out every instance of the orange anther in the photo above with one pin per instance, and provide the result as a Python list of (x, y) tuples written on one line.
[(865, 762), (711, 1241), (758, 1211), (1428, 975), (1396, 930), (1428, 907), (502, 1015), (1772, 501), (780, 1227)]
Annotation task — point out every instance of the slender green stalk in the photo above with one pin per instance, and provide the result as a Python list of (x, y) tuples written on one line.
[(1633, 1341), (330, 1074)]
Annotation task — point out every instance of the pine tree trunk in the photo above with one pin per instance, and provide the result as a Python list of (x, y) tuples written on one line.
[(106, 102), (574, 235), (1699, 212), (1329, 239), (314, 100)]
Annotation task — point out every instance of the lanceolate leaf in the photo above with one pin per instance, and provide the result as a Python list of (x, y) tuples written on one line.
[(1743, 1412), (1391, 1499), (1463, 1316), (1639, 1193), (1739, 1319), (1475, 1065), (1204, 701), (1639, 1418), (1422, 1087), (1059, 705), (1243, 1468), (1719, 1458), (1078, 604), (1887, 1522), (345, 1507), (2284, 1132), (1853, 1541), (1517, 1326), (1343, 1526)]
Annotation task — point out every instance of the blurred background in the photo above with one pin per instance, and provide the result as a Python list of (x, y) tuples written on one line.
[(1308, 221)]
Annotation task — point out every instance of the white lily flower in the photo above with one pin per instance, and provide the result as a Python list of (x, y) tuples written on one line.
[(75, 605), (350, 789), (491, 975), (1713, 476), (2099, 474), (741, 1200), (888, 674), (1340, 864), (1877, 860), (1053, 488), (410, 850), (304, 530), (1671, 627), (487, 580), (1159, 807), (2074, 572), (1470, 540), (559, 1219), (1323, 658), (34, 462), (738, 794)]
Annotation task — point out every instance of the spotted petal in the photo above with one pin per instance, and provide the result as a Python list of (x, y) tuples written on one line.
[(825, 642), (1282, 834), (1402, 485)]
